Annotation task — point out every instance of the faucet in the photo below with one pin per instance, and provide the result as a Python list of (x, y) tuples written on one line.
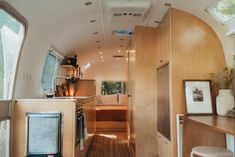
[(54, 81)]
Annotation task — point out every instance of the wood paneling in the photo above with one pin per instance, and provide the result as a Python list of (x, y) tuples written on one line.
[(86, 88), (196, 134), (222, 124), (143, 77), (163, 41), (19, 125), (193, 50), (196, 52), (68, 109)]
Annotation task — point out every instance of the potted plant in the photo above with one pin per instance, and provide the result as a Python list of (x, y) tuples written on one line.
[(223, 81)]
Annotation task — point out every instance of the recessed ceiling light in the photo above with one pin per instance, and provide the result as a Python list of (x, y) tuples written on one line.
[(102, 60), (168, 4), (95, 33), (92, 21), (88, 3), (156, 21), (100, 52), (101, 57), (119, 51), (97, 41)]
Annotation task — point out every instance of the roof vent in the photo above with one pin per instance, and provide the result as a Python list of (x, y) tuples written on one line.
[(130, 11), (122, 32), (117, 14)]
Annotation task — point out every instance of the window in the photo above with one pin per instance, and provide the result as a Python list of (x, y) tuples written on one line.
[(12, 32), (50, 70), (222, 10), (5, 138), (11, 38), (113, 87)]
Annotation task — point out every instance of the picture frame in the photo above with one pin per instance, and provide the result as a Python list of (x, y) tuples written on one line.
[(198, 97)]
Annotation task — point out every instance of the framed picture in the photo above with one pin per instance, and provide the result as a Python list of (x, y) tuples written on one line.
[(198, 96)]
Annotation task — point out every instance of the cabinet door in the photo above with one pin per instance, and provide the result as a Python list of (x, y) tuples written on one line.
[(164, 41), (163, 146)]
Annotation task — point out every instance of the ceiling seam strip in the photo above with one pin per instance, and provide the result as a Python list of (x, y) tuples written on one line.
[(102, 20)]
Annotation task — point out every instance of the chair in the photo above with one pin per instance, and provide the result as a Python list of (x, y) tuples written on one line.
[(210, 151)]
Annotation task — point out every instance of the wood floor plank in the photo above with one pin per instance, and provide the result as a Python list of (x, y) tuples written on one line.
[(110, 145)]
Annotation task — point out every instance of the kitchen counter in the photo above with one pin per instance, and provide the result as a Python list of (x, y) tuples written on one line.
[(73, 98)]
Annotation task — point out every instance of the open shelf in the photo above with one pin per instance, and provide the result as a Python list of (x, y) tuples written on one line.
[(69, 67)]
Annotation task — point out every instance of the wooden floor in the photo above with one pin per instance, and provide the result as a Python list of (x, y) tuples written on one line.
[(110, 145)]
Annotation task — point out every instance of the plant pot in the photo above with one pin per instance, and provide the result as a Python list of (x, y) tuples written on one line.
[(224, 101)]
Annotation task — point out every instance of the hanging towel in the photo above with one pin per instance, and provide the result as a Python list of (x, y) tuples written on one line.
[(82, 128)]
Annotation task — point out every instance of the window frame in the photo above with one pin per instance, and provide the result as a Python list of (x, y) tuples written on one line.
[(7, 115), (101, 87), (21, 19), (210, 8), (58, 57)]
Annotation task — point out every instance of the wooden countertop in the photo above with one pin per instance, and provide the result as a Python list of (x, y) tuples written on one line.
[(219, 123)]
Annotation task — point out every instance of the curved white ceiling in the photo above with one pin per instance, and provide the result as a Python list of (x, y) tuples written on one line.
[(66, 25)]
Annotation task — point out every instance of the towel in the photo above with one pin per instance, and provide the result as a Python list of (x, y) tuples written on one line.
[(82, 128)]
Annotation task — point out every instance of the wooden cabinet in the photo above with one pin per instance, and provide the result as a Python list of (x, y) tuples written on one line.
[(86, 88), (163, 145), (69, 122), (141, 83), (193, 51), (88, 106), (163, 41)]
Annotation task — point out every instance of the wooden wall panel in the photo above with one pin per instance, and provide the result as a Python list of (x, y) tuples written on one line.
[(197, 135), (196, 52), (144, 95), (19, 125), (86, 88)]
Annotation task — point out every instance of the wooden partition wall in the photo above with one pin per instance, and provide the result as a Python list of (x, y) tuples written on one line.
[(196, 52), (192, 50), (142, 76)]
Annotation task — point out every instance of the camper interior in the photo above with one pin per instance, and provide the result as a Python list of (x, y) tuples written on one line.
[(117, 78)]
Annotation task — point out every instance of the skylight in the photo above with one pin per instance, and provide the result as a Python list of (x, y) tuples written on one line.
[(223, 10)]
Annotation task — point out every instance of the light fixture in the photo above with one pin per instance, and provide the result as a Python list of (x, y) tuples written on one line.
[(168, 4), (100, 52), (102, 60), (86, 66), (119, 51), (88, 3), (92, 21), (156, 21), (101, 57)]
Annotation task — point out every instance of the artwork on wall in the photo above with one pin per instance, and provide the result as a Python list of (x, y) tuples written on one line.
[(198, 96)]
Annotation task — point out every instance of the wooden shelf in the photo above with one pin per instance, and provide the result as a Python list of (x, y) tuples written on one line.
[(218, 123), (69, 67)]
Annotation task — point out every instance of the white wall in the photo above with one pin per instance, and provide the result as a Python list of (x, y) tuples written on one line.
[(104, 71)]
